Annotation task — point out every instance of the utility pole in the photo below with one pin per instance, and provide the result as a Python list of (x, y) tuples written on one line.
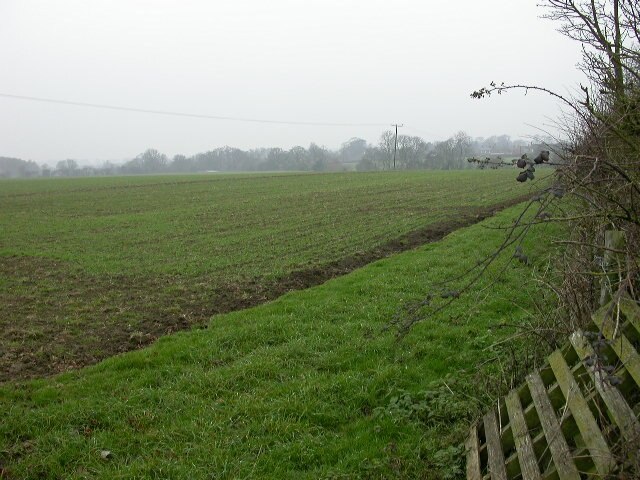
[(395, 144)]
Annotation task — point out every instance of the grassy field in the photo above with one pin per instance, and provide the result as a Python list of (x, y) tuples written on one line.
[(308, 386), (93, 267)]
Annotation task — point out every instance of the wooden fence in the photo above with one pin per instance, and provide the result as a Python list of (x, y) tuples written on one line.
[(577, 417)]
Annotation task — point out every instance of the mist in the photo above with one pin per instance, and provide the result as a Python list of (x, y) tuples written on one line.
[(366, 64)]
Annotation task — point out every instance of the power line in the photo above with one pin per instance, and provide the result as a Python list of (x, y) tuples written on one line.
[(184, 114), (424, 132)]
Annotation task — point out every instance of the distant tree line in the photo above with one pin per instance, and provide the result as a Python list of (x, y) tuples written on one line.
[(14, 167), (355, 154)]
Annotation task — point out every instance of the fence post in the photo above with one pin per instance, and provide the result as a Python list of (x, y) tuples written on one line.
[(612, 264)]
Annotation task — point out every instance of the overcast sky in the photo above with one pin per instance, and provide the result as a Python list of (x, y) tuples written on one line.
[(353, 61)]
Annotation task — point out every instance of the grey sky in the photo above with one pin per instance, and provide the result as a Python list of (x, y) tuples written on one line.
[(358, 61)]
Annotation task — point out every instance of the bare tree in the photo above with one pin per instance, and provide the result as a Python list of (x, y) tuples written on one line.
[(462, 144), (412, 151), (387, 141), (598, 167)]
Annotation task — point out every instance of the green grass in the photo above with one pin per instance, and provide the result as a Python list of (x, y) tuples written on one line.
[(231, 226), (307, 386), (93, 267)]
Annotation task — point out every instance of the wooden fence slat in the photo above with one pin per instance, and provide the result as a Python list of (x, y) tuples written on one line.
[(621, 412), (631, 311), (472, 447), (560, 452), (494, 447), (524, 445), (627, 306), (621, 345), (588, 426), (526, 424)]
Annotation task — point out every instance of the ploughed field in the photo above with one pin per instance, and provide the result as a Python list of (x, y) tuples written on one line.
[(93, 267)]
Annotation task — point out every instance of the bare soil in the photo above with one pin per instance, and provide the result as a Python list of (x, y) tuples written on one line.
[(54, 317)]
